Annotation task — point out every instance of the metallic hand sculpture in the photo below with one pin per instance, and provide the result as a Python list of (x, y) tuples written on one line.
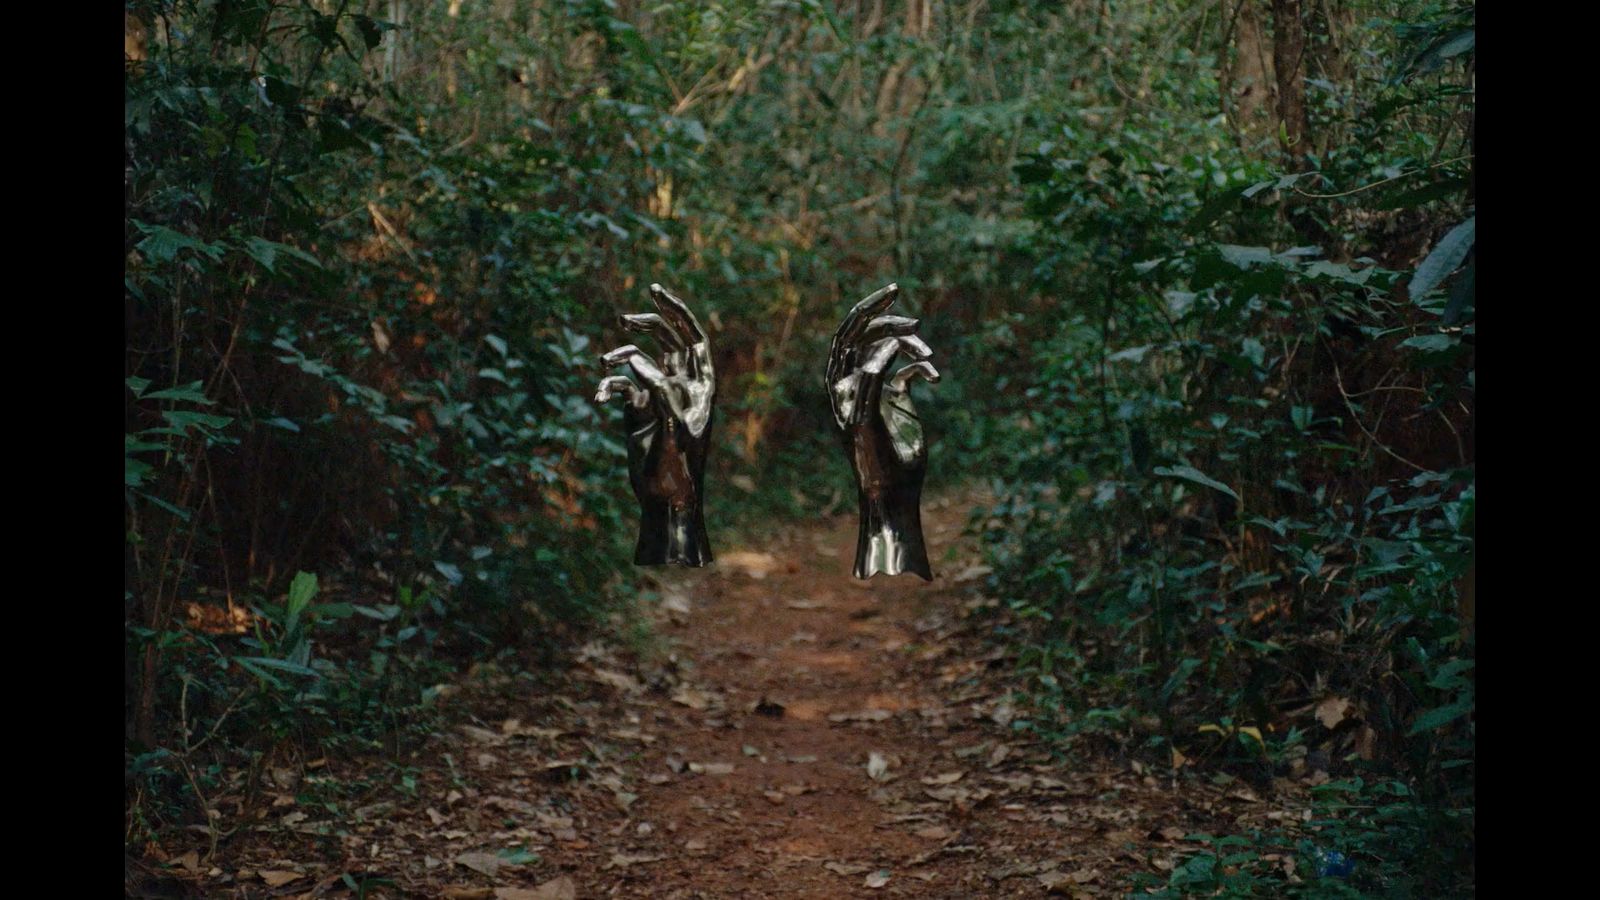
[(881, 432), (669, 430)]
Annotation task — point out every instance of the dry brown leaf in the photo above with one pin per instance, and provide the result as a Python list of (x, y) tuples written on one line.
[(692, 698), (971, 573), (934, 832), (755, 565), (877, 767), (481, 735), (619, 680), (279, 877), (466, 892), (866, 715), (1331, 712), (946, 778), (487, 863), (563, 888), (624, 860)]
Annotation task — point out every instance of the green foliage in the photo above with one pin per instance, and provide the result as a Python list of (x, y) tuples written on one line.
[(1211, 519), (369, 267)]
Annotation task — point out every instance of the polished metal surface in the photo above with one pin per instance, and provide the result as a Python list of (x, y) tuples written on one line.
[(669, 429), (879, 427)]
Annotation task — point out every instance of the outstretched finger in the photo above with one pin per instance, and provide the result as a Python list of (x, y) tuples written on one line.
[(888, 326), (915, 347), (677, 314), (650, 323), (855, 320), (920, 369)]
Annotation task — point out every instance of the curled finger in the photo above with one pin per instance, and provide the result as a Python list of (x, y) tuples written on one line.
[(920, 369), (888, 326), (642, 364), (614, 385)]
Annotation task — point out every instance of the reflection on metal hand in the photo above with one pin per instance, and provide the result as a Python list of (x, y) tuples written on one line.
[(882, 433), (669, 429)]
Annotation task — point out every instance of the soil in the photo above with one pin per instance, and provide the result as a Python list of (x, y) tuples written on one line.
[(782, 730)]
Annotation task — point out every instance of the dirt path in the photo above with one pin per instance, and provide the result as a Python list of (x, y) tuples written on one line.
[(788, 732)]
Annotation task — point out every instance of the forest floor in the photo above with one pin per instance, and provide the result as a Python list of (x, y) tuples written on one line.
[(783, 730)]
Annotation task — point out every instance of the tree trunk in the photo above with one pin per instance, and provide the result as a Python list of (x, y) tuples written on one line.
[(1288, 62), (1247, 75)]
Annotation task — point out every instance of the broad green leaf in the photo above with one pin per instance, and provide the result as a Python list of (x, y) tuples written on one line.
[(163, 244), (133, 471), (191, 392), (1449, 253), (1441, 716), (1190, 473), (1431, 343), (301, 590), (257, 663)]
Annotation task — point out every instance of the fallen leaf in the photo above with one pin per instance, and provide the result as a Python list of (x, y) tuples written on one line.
[(845, 868), (487, 863), (877, 767), (481, 735), (624, 860), (1331, 711), (866, 715), (755, 565), (877, 879), (674, 602), (467, 892), (711, 768), (775, 797), (563, 888), (934, 832), (692, 698), (946, 778), (619, 680), (971, 573), (279, 877)]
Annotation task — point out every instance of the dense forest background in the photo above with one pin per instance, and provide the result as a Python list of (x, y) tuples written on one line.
[(1199, 274)]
